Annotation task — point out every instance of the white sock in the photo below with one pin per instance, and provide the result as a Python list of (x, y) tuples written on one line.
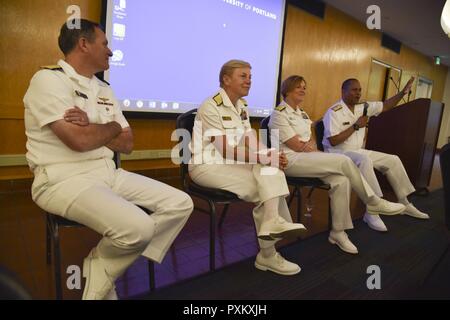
[(271, 209), (404, 201)]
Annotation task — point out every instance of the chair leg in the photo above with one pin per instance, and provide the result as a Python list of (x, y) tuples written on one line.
[(224, 213), (330, 221), (299, 205), (291, 196), (57, 262), (48, 240), (310, 192), (151, 275), (212, 236)]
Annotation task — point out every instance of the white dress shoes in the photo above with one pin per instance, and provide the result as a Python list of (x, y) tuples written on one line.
[(386, 208), (374, 222), (341, 239), (276, 264), (99, 286), (277, 228), (412, 211)]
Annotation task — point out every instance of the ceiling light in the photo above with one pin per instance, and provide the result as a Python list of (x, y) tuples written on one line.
[(445, 18)]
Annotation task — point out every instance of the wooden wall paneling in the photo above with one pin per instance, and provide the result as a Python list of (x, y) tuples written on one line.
[(328, 51)]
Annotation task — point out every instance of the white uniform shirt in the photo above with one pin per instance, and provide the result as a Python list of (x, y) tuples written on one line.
[(290, 122), (217, 117), (50, 94), (339, 117)]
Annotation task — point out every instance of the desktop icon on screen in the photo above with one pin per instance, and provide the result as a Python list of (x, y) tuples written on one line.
[(117, 55), (119, 30), (122, 5)]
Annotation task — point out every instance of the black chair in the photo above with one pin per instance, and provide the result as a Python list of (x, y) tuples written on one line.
[(444, 160), (298, 182), (11, 288), (53, 223), (319, 128), (211, 195)]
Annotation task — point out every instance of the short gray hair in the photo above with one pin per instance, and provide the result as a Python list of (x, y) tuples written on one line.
[(228, 68)]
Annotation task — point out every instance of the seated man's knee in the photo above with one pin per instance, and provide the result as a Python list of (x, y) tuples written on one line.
[(365, 161), (339, 182), (141, 233), (183, 203), (395, 160)]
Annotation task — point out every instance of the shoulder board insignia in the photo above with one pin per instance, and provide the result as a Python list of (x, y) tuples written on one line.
[(218, 99), (337, 108), (280, 108), (53, 67), (244, 102)]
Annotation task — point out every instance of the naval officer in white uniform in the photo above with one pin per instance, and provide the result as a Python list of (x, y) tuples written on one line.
[(73, 124), (345, 124), (304, 160), (223, 149)]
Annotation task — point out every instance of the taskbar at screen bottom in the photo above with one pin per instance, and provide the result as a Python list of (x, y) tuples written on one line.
[(176, 107)]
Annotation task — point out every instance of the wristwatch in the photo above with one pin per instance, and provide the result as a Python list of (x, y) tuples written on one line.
[(355, 127)]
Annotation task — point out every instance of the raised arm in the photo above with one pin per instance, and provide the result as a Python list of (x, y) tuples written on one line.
[(392, 101)]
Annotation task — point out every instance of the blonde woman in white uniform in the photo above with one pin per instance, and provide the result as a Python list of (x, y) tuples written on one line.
[(304, 160), (222, 158)]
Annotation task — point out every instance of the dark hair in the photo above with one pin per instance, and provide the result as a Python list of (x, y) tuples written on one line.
[(290, 84), (347, 82), (68, 37)]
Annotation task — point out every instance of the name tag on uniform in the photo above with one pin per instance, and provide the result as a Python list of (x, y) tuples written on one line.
[(81, 94), (226, 118), (346, 123)]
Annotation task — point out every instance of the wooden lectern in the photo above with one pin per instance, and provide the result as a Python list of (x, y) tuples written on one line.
[(410, 131)]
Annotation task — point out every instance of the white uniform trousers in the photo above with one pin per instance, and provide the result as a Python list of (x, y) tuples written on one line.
[(247, 182), (340, 173), (389, 165), (108, 205)]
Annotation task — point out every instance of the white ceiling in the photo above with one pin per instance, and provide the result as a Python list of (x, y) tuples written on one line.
[(415, 23)]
